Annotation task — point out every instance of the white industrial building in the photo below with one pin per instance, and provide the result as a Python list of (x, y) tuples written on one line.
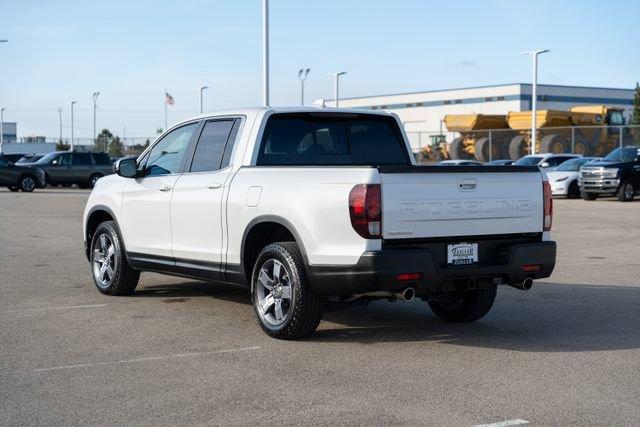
[(422, 112)]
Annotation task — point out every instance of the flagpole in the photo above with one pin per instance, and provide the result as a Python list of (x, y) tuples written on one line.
[(165, 108)]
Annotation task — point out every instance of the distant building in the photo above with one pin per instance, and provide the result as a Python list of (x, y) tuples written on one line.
[(9, 132), (423, 111)]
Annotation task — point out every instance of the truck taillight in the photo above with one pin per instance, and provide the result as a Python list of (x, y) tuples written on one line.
[(548, 206), (365, 210)]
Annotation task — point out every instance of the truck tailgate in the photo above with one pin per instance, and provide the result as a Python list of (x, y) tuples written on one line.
[(443, 201)]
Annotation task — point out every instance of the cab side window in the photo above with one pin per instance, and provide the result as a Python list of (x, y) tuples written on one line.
[(211, 146), (82, 159), (4, 163), (62, 160), (167, 155)]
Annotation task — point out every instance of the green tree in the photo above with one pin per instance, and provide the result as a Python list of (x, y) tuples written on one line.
[(103, 140), (61, 146), (635, 115), (116, 148)]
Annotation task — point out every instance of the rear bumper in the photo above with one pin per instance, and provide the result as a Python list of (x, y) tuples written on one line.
[(378, 271)]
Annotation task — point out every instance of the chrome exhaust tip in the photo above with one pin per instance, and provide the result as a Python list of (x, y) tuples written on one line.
[(525, 285), (408, 294)]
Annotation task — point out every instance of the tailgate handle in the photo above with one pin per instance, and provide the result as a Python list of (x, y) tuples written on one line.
[(467, 184)]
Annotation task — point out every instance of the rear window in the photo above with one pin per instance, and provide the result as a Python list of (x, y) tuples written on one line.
[(332, 139)]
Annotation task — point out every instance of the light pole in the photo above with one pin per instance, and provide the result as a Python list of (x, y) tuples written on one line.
[(2, 113), (302, 76), (72, 103), (95, 105), (202, 89), (1, 127), (336, 95), (60, 121), (265, 52), (534, 95)]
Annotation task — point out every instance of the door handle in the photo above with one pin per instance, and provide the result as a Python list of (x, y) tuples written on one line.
[(165, 188), (214, 186)]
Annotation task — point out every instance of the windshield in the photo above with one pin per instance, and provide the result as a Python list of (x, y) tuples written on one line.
[(47, 159), (626, 154), (529, 161), (573, 165)]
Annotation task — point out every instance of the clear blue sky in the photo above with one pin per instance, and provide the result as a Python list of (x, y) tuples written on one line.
[(130, 50)]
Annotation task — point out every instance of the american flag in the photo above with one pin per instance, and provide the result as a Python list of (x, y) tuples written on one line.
[(168, 98)]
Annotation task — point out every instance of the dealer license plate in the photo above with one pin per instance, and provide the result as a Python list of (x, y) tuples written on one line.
[(462, 253)]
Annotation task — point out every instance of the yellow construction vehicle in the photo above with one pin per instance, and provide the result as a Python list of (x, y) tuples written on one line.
[(437, 150), (474, 141), (589, 130)]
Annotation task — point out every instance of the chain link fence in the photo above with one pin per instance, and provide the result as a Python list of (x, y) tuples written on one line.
[(508, 144)]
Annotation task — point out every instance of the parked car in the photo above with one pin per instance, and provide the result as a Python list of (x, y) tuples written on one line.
[(565, 178), (12, 157), (617, 174), (545, 161), (66, 168), (29, 158), (458, 162), (301, 205), (17, 177), (500, 162)]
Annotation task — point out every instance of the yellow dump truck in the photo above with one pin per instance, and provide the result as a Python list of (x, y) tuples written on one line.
[(474, 140), (588, 130)]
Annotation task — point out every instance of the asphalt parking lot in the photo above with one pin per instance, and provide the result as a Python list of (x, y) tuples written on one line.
[(183, 352)]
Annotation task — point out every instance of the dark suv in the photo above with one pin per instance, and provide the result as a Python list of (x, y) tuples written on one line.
[(83, 169), (17, 177), (617, 174)]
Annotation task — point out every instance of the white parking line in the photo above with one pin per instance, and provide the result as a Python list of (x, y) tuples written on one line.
[(144, 359), (504, 423), (68, 307)]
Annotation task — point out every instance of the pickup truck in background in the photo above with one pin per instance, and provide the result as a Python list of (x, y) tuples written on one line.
[(306, 205), (617, 174), (67, 168)]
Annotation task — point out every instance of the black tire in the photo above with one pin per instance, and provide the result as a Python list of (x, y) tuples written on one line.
[(482, 150), (305, 309), (626, 191), (553, 144), (93, 179), (465, 306), (588, 196), (456, 149), (14, 189), (124, 279), (517, 147), (573, 192), (27, 183)]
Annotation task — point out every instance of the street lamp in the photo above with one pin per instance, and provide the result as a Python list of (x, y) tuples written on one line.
[(534, 95), (95, 105), (72, 103), (302, 76), (336, 86), (1, 127), (202, 89), (265, 52)]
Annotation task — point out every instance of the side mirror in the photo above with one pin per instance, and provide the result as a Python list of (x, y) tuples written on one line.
[(127, 168), (544, 165)]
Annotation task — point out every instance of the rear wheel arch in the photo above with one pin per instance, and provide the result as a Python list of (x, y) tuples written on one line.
[(262, 231)]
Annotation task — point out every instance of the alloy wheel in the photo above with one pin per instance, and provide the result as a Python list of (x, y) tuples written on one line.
[(28, 184), (104, 260), (274, 293)]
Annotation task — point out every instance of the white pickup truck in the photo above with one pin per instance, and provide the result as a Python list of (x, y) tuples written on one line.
[(305, 205)]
